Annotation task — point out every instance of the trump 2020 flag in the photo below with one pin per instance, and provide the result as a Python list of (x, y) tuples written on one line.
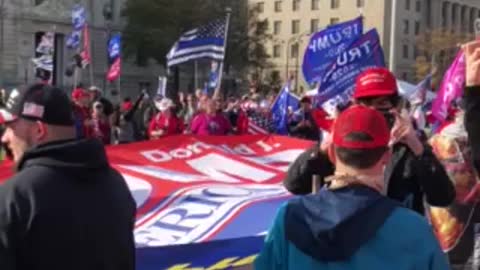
[(280, 109), (325, 46), (114, 46), (339, 81), (78, 17), (207, 41), (73, 40)]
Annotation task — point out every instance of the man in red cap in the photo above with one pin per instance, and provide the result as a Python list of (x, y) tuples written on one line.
[(81, 111), (414, 173), (350, 224)]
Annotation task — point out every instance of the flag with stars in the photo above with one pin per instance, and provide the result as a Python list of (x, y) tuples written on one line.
[(207, 41)]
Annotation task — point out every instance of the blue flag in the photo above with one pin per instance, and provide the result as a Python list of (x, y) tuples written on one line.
[(339, 81), (325, 46), (280, 109), (114, 46), (207, 41), (78, 17), (73, 40)]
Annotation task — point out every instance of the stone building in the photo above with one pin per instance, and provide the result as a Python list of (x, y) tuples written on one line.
[(21, 23), (292, 22)]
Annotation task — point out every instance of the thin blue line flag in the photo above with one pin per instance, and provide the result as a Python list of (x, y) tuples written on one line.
[(207, 41)]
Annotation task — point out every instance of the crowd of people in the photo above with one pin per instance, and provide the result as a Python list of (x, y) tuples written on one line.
[(381, 180), (151, 118)]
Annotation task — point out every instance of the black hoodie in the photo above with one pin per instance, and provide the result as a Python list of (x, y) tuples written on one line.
[(66, 208)]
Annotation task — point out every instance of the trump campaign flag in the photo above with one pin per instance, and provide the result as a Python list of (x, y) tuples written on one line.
[(338, 83), (114, 47), (207, 41), (79, 17), (280, 109), (325, 46)]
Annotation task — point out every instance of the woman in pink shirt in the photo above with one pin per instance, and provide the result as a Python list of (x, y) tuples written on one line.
[(210, 122)]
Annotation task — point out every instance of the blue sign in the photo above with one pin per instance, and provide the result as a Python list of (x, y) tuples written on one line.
[(78, 17), (114, 47), (325, 46), (339, 81)]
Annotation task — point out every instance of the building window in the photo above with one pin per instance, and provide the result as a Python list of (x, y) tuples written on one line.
[(315, 4), (407, 4), (295, 26), (334, 4), (405, 51), (360, 3), (417, 28), (296, 5), (294, 50), (314, 25), (418, 6), (278, 6), (277, 27), (38, 2), (405, 27), (334, 20), (404, 76), (277, 51), (261, 7), (415, 52)]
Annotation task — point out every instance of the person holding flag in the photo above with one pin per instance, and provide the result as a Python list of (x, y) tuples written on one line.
[(413, 175), (302, 123)]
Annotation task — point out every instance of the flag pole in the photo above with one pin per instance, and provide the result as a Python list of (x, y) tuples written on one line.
[(195, 74), (91, 58), (228, 10)]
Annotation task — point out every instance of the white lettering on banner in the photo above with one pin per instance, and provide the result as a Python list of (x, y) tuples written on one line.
[(354, 54), (181, 153), (197, 147), (218, 168), (199, 213), (265, 147), (334, 38), (156, 156), (159, 156)]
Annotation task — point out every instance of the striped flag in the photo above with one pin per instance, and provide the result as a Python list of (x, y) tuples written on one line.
[(207, 41), (259, 124)]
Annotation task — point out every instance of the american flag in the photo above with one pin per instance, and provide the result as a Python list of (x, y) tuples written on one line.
[(207, 41), (259, 124)]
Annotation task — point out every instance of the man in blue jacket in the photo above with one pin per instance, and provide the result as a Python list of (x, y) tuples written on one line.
[(350, 224)]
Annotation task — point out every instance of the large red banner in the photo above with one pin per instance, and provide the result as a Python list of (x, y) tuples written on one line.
[(195, 189)]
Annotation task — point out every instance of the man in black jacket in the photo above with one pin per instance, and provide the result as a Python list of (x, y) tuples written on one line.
[(65, 208), (413, 174)]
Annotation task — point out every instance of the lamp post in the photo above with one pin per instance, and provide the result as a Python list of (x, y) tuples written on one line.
[(108, 18), (294, 40)]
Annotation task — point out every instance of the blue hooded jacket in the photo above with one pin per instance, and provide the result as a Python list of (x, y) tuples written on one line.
[(350, 228)]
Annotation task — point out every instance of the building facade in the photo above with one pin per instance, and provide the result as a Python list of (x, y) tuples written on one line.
[(291, 23), (21, 21)]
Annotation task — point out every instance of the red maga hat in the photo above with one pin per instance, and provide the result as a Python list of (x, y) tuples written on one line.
[(361, 119), (375, 82)]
